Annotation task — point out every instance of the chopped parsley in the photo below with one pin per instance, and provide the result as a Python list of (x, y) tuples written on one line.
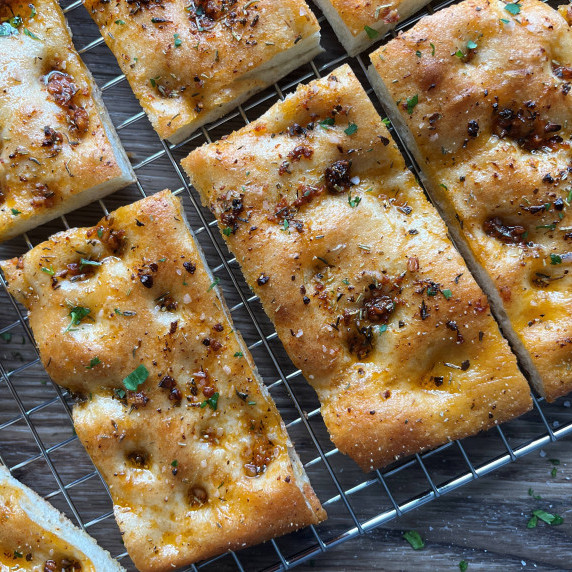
[(411, 102), (286, 225), (136, 378), (353, 201), (88, 262), (531, 494), (174, 463), (548, 518), (126, 313), (512, 8), (215, 283), (93, 362), (252, 403), (33, 11), (238, 354), (328, 122), (418, 54), (504, 20), (459, 54), (546, 226), (432, 49), (120, 22), (346, 281), (77, 314), (471, 45), (447, 293), (120, 393), (31, 34), (381, 329), (15, 212), (17, 554), (553, 472), (386, 121), (371, 33), (555, 259), (178, 41), (351, 129), (414, 538), (227, 231), (212, 402), (49, 270), (463, 565), (6, 336)]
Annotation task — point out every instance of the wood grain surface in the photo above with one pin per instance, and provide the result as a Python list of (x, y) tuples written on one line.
[(482, 522)]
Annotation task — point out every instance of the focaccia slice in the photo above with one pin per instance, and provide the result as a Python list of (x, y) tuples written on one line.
[(354, 267), (487, 110), (35, 536), (172, 410), (191, 63), (359, 23), (58, 148)]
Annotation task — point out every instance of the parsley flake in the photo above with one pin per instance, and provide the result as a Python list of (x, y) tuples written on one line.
[(174, 463), (371, 33), (227, 231), (552, 519), (386, 121), (504, 21), (238, 354), (15, 212), (93, 362), (418, 54), (555, 259), (432, 49), (531, 494), (532, 522), (353, 201), (120, 22), (411, 102), (77, 314), (120, 393), (351, 129), (212, 402), (285, 225), (328, 122), (215, 283), (88, 262), (17, 554), (49, 270), (136, 378), (31, 34), (512, 8), (463, 565), (447, 293), (178, 41), (414, 538), (471, 45), (33, 11)]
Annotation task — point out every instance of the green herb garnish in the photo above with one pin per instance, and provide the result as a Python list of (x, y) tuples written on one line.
[(471, 45), (174, 463), (15, 212), (552, 519), (512, 8), (328, 122), (49, 270), (212, 402), (351, 129), (432, 49), (238, 354), (411, 102), (414, 538), (93, 362), (215, 283), (371, 33), (120, 22), (136, 378), (555, 259), (227, 231), (447, 293), (178, 40), (77, 314), (353, 201), (463, 565)]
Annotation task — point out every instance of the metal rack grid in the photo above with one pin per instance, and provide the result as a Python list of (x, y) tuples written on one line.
[(36, 435)]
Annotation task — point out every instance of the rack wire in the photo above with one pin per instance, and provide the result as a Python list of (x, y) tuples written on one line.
[(37, 440)]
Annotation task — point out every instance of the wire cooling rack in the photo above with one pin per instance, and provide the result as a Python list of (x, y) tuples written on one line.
[(37, 440)]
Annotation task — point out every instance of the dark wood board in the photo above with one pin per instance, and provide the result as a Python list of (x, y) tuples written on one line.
[(482, 522)]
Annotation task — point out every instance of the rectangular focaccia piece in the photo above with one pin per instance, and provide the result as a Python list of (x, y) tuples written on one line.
[(58, 148), (35, 536), (359, 23), (487, 111), (354, 267), (172, 410), (191, 63)]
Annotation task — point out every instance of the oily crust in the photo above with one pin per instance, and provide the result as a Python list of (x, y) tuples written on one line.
[(189, 479), (35, 536), (354, 279), (187, 62), (58, 150), (492, 131)]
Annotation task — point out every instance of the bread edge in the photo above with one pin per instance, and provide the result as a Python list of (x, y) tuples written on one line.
[(269, 72), (356, 44), (49, 518)]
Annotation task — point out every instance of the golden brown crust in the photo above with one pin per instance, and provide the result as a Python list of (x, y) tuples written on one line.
[(353, 266), (492, 132), (186, 62), (55, 152), (35, 537), (197, 458)]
